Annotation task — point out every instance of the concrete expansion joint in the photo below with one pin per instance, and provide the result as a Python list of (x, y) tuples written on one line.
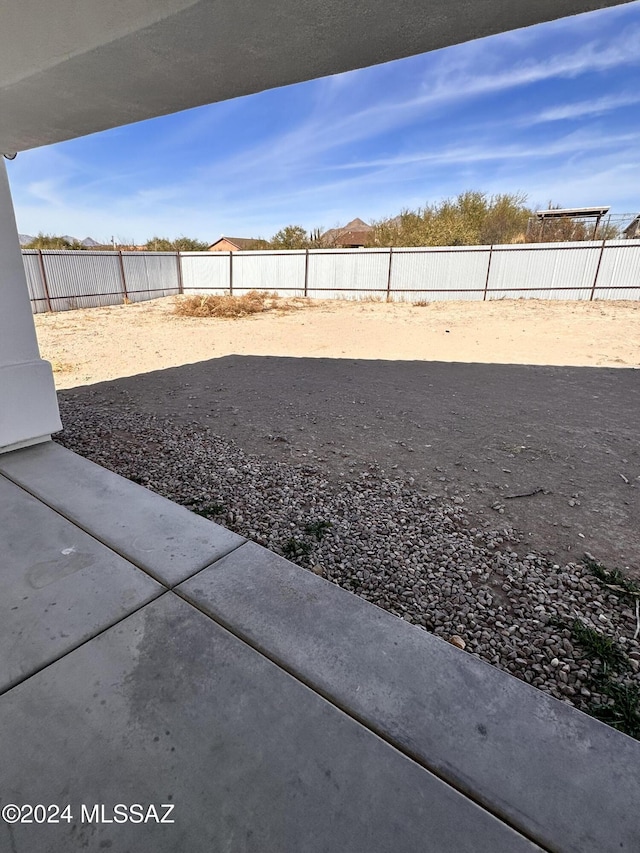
[(210, 564), (468, 792), (37, 670)]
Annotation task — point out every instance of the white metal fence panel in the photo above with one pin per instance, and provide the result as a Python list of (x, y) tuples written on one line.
[(63, 280), (205, 272), (150, 276), (628, 293), (281, 272), (439, 273), (83, 279), (619, 272), (348, 273), (543, 271), (35, 283)]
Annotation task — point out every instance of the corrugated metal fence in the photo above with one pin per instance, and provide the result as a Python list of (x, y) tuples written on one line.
[(63, 280)]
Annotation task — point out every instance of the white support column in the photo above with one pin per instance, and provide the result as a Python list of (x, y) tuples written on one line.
[(28, 404)]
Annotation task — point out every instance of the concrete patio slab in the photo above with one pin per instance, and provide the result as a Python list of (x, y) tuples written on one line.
[(164, 539), (561, 777), (58, 586), (169, 708)]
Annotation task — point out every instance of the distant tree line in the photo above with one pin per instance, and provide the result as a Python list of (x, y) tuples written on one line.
[(50, 241), (470, 219), (155, 244), (180, 244)]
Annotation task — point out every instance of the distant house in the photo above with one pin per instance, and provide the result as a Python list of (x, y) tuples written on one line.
[(237, 244), (354, 235)]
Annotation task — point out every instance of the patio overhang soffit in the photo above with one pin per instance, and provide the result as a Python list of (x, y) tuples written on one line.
[(73, 67)]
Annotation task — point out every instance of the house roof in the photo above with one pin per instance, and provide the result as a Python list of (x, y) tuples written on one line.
[(240, 243)]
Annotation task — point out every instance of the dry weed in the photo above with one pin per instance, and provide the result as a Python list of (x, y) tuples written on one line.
[(61, 366), (371, 297), (254, 302)]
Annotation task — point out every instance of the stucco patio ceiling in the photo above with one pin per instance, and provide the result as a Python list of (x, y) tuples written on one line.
[(73, 67)]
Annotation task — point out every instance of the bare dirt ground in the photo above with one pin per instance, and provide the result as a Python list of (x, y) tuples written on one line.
[(484, 402)]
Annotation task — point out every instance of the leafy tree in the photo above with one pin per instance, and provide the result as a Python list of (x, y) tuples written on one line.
[(188, 244), (180, 244), (159, 244), (317, 239), (506, 219), (472, 218), (291, 237)]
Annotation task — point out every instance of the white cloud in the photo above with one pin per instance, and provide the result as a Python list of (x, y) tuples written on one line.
[(581, 109), (444, 83), (575, 143)]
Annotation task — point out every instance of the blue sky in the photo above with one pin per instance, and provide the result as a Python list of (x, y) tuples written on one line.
[(552, 111)]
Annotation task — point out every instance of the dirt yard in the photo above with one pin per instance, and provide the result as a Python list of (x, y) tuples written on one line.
[(526, 411)]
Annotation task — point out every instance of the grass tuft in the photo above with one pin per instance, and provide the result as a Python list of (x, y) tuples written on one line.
[(295, 549), (209, 510), (317, 529), (623, 713), (612, 579), (599, 647)]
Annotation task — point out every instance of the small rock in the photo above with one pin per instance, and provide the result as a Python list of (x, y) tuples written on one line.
[(457, 641)]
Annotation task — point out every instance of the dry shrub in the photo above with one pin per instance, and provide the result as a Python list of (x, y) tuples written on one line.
[(372, 297), (61, 366), (254, 302)]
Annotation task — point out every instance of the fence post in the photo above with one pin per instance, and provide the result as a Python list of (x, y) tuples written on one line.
[(486, 281), (230, 273), (122, 275), (389, 274), (44, 280), (306, 272), (595, 278), (180, 280)]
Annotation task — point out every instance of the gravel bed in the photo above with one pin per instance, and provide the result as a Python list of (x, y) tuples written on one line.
[(407, 551)]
